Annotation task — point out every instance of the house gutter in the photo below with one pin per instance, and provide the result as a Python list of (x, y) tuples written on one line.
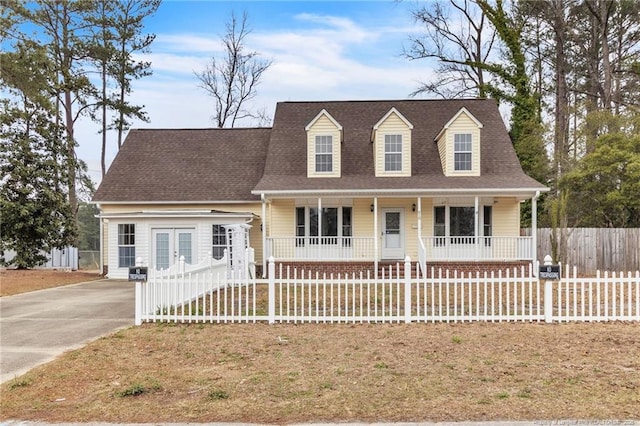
[(534, 230), (264, 234), (404, 191)]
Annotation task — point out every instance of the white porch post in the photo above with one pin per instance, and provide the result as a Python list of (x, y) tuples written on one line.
[(419, 219), (476, 227), (264, 234), (534, 229), (375, 233), (320, 222)]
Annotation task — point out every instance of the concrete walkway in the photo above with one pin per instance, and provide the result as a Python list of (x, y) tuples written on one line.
[(38, 326)]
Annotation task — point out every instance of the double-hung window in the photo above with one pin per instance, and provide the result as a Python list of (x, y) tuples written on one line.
[(126, 245), (331, 225), (462, 151), (458, 223), (392, 153), (324, 154)]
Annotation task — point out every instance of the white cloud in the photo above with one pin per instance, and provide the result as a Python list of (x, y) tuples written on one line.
[(333, 58)]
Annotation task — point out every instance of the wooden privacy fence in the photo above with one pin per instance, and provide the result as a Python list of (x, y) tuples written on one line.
[(213, 296), (592, 249)]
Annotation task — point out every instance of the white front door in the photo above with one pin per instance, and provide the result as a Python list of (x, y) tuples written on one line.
[(392, 233), (169, 244)]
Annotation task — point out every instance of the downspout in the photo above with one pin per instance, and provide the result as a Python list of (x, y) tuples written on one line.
[(376, 237), (101, 241), (476, 227), (534, 230), (264, 234)]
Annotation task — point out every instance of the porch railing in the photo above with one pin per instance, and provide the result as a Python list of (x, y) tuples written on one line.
[(321, 248), (476, 248)]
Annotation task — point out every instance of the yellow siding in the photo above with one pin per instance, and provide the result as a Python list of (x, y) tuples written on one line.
[(282, 218), (362, 217), (393, 125), (506, 217), (442, 151), (323, 127), (462, 124), (427, 217)]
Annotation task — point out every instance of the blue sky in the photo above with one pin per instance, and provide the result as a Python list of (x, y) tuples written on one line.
[(321, 50)]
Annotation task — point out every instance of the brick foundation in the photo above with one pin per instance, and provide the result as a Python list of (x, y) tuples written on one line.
[(350, 268)]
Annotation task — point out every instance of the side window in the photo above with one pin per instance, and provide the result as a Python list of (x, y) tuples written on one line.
[(462, 151), (486, 224), (219, 244), (439, 225), (392, 153), (324, 154), (126, 245)]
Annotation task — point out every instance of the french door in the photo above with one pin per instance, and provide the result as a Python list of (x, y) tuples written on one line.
[(171, 243)]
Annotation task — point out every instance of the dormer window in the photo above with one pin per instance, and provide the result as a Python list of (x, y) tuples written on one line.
[(324, 137), (391, 138), (459, 145), (462, 152), (324, 154), (392, 153)]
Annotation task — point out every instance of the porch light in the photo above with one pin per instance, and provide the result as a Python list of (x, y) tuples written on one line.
[(371, 208), (413, 207)]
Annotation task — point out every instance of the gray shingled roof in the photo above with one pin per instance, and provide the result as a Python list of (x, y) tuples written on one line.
[(285, 168), (186, 165), (207, 165)]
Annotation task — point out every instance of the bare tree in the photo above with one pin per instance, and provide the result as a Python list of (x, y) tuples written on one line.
[(231, 80), (460, 37)]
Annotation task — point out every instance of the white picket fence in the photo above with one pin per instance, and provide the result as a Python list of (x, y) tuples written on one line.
[(295, 296)]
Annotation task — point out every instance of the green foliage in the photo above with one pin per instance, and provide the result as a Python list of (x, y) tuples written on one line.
[(88, 227), (604, 188), (35, 214)]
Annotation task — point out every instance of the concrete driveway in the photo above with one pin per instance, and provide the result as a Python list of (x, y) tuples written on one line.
[(38, 326)]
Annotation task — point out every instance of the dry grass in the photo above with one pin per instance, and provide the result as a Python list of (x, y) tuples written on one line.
[(21, 281), (313, 373)]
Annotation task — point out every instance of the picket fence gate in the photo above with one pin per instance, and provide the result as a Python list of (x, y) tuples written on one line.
[(210, 294)]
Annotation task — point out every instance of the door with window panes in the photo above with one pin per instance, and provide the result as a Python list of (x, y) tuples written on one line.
[(392, 233), (171, 243)]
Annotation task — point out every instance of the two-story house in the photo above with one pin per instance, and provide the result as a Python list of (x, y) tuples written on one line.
[(336, 184)]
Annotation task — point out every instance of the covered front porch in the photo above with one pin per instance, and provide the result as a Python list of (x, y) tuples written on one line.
[(357, 228)]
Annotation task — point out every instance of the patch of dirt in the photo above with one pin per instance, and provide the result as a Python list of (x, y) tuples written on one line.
[(13, 281), (288, 373)]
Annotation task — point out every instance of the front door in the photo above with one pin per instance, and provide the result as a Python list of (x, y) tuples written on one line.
[(169, 244), (392, 233)]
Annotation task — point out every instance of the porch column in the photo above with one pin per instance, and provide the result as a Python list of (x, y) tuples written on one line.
[(476, 227), (375, 234), (534, 230), (419, 219), (264, 234), (320, 221)]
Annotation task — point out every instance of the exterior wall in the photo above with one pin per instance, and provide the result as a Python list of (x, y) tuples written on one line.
[(506, 217), (462, 124), (393, 125), (323, 127), (143, 231)]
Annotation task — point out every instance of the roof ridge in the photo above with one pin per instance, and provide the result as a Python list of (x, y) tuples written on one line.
[(156, 129), (385, 100)]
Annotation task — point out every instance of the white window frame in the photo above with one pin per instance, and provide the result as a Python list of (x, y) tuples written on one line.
[(460, 150), (326, 143), (126, 240), (218, 241), (396, 140), (306, 226)]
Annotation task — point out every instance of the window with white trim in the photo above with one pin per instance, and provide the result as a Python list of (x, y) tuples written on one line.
[(126, 245), (219, 244), (324, 154), (462, 151), (335, 224), (458, 223), (392, 153)]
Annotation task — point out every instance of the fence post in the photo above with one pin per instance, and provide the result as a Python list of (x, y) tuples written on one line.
[(272, 290), (138, 297), (548, 295), (407, 290)]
